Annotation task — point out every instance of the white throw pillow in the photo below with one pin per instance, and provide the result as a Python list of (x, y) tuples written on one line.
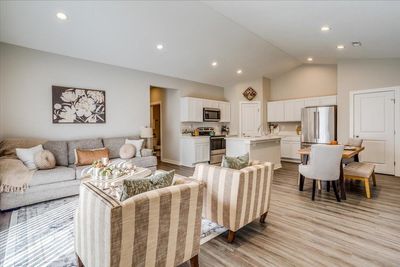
[(27, 155), (138, 144)]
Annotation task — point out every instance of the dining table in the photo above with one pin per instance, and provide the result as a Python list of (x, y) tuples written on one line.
[(348, 153)]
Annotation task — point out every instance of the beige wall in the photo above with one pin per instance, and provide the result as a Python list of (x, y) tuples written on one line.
[(26, 77), (305, 81), (234, 94), (356, 74)]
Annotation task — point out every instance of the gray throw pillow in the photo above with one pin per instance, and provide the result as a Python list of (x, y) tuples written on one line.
[(236, 163), (132, 187)]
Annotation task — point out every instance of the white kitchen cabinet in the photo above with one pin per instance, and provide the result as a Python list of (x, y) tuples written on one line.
[(210, 103), (194, 150), (276, 111), (191, 109), (225, 108), (327, 100), (290, 148), (292, 110), (311, 102)]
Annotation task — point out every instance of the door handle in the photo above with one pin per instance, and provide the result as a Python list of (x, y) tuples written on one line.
[(357, 136)]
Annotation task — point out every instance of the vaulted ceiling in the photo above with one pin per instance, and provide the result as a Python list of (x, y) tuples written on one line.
[(260, 38)]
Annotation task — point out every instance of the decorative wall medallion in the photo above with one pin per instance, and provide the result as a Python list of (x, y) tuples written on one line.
[(250, 93), (75, 105)]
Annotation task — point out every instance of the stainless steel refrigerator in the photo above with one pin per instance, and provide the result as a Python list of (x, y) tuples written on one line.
[(318, 125)]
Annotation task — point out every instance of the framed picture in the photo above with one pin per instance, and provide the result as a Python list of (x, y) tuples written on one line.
[(76, 105)]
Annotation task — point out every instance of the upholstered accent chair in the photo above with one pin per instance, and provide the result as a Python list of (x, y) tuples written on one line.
[(234, 198), (324, 165), (157, 228)]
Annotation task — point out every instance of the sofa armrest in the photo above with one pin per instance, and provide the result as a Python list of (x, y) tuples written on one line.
[(147, 152)]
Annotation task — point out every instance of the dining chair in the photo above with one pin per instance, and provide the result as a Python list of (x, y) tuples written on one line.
[(324, 165), (356, 142)]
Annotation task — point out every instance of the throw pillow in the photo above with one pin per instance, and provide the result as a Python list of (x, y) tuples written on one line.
[(45, 160), (87, 156), (132, 187), (138, 144), (236, 163), (127, 151), (27, 155)]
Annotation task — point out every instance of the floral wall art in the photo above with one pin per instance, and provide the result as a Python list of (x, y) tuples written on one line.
[(75, 105)]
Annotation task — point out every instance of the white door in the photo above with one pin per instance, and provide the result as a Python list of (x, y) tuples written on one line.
[(374, 123), (250, 118)]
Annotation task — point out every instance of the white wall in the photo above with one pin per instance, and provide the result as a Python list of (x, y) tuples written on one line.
[(26, 77), (355, 74), (307, 80)]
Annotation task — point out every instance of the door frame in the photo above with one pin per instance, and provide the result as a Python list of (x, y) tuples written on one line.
[(240, 113), (396, 90), (161, 126)]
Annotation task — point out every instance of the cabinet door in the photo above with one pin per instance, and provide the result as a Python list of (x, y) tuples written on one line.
[(210, 103), (225, 108), (202, 152), (298, 105), (311, 102), (285, 149), (327, 100), (195, 110), (294, 150), (276, 111)]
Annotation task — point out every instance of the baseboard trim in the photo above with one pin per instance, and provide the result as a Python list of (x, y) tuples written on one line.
[(170, 161)]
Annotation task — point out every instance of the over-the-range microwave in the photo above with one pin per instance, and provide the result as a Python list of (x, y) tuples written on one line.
[(211, 114)]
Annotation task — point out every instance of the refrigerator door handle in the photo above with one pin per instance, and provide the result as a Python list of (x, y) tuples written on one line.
[(317, 125)]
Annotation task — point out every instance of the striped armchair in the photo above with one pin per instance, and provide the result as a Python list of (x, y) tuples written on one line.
[(234, 198), (157, 228)]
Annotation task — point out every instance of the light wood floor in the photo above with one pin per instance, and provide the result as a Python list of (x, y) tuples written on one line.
[(299, 232)]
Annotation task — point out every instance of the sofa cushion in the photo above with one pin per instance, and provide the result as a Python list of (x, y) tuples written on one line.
[(127, 151), (8, 146), (82, 171), (45, 160), (82, 144), (58, 174), (59, 150), (114, 144), (144, 162)]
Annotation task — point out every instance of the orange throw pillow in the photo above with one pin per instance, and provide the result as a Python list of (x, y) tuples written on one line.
[(87, 156)]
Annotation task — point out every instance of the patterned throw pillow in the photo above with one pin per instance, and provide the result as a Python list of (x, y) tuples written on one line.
[(132, 187), (236, 163)]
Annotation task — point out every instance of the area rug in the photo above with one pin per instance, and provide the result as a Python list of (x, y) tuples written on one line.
[(43, 235)]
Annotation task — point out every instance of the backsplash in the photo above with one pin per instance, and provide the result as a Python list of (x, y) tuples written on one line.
[(193, 125)]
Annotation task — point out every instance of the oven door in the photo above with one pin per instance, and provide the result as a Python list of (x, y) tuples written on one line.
[(211, 114), (217, 143)]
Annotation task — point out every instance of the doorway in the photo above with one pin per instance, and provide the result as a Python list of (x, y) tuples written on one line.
[(155, 123), (373, 119), (250, 118)]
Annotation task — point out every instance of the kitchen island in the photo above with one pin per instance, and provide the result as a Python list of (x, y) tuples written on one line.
[(263, 148)]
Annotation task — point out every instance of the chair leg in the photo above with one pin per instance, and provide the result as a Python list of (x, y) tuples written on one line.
[(319, 184), (335, 189), (78, 260), (373, 179), (194, 262), (231, 236), (314, 183), (328, 186), (367, 188), (262, 218)]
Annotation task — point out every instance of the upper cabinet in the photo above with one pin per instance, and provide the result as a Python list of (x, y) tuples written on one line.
[(276, 111), (290, 110), (192, 109)]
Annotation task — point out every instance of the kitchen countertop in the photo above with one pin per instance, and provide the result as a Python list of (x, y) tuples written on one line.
[(191, 136), (255, 138)]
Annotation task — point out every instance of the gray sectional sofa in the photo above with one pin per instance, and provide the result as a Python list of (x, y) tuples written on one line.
[(64, 179)]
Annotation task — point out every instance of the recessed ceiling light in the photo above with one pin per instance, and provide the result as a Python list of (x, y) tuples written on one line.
[(214, 64), (309, 59), (356, 44), (325, 28), (160, 46), (239, 71), (340, 47), (61, 16)]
